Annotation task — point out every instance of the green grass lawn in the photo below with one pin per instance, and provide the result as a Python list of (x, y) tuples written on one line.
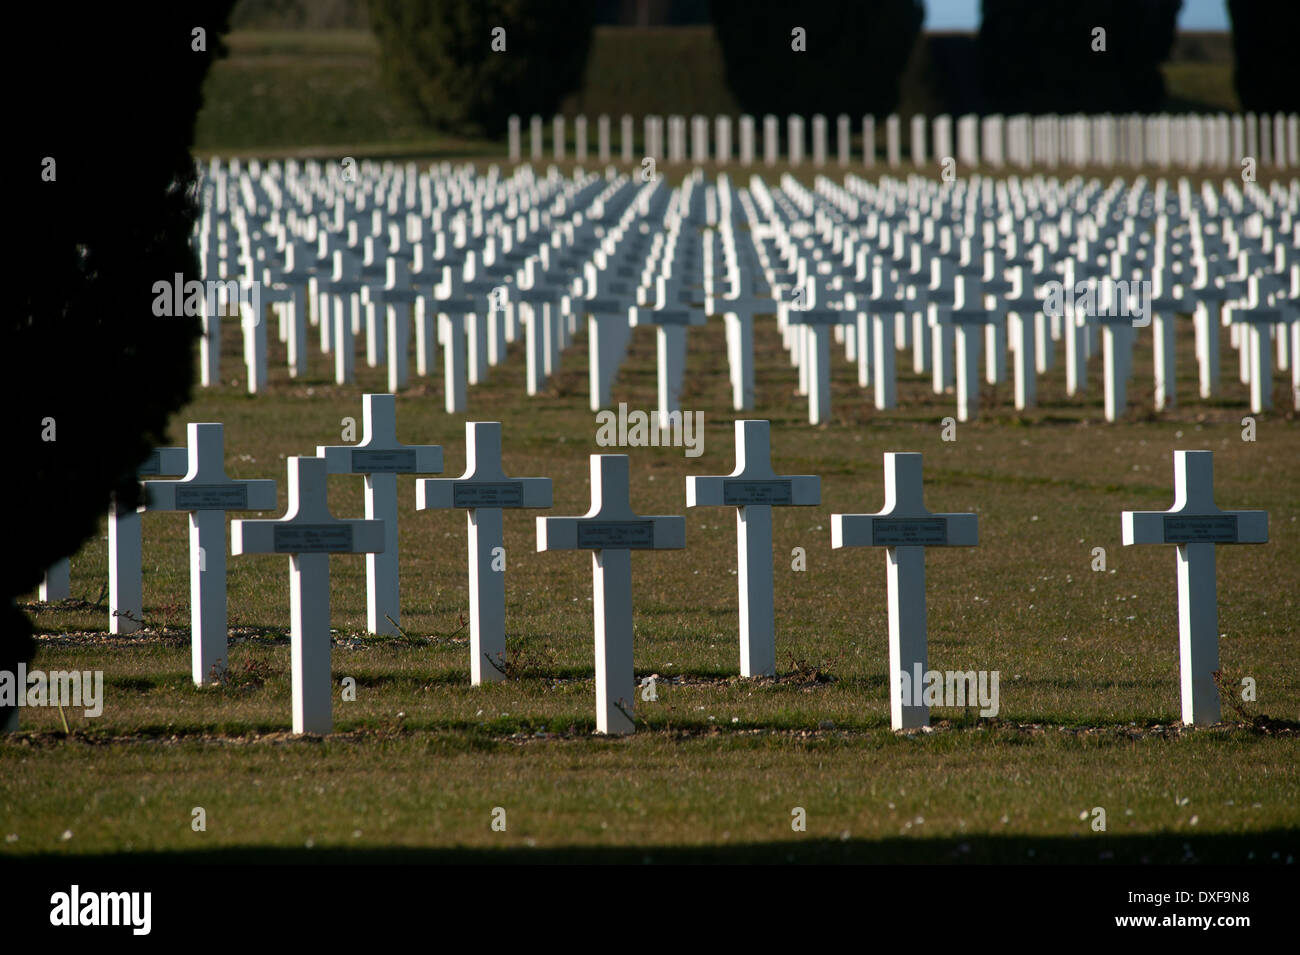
[(1088, 659)]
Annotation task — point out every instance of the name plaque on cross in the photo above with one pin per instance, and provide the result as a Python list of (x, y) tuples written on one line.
[(212, 497), (1212, 530), (313, 539), (384, 462), (904, 532), (617, 535), (152, 464), (501, 494), (745, 493)]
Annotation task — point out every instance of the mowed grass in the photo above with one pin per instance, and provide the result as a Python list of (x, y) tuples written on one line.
[(1088, 659)]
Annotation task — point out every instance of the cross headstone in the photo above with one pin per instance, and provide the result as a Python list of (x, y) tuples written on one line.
[(483, 490), (1257, 326), (125, 549), (967, 317), (381, 457), (814, 322), (672, 323), (206, 493), (753, 489), (1195, 524), (57, 583), (607, 339), (308, 533), (905, 528), (611, 530)]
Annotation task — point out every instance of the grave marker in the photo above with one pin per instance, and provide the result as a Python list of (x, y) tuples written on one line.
[(206, 493), (483, 490), (905, 528), (753, 488), (611, 530), (1196, 525), (125, 549), (308, 533), (380, 457)]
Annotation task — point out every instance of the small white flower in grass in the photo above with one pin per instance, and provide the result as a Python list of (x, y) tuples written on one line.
[(310, 843), (1084, 814), (356, 833), (1194, 820), (67, 834), (12, 837)]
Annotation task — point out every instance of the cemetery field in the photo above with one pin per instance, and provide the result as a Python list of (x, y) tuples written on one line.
[(1085, 643)]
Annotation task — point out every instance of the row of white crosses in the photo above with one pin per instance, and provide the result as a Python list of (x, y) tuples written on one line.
[(1192, 141), (309, 533), (951, 281), (437, 246), (883, 254)]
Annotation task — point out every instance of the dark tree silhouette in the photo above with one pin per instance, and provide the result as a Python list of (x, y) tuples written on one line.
[(83, 359), (855, 52), (1264, 36), (438, 54), (1038, 57)]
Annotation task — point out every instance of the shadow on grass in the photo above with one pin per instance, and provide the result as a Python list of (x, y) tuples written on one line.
[(1262, 847)]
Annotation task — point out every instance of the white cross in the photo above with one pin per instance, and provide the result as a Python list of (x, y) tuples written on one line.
[(905, 528), (612, 530), (381, 457), (1258, 351), (125, 550), (753, 488), (207, 494), (672, 323), (483, 490), (607, 338), (738, 310), (967, 317), (308, 533), (1195, 524), (814, 323), (56, 585)]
